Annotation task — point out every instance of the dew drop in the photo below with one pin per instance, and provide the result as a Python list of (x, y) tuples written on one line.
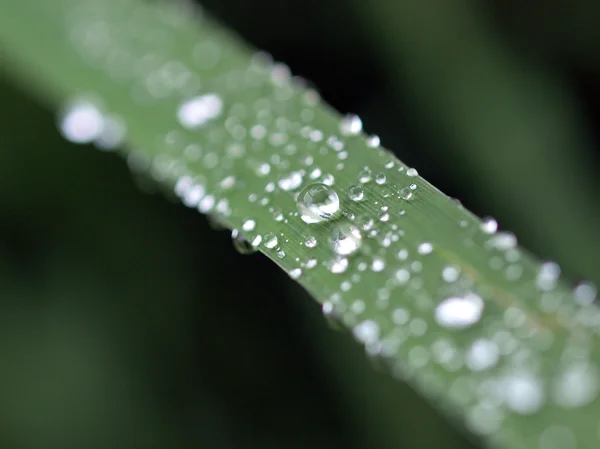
[(295, 273), (270, 240), (367, 332), (412, 172), (346, 239), (450, 273), (318, 203), (489, 225), (199, 110), (380, 178), (483, 354), (547, 276), (373, 141), (290, 182), (425, 248), (457, 312), (365, 175), (405, 193), (241, 244), (576, 386), (310, 242), (356, 193), (82, 123), (339, 265), (351, 125), (378, 265), (248, 225), (523, 393)]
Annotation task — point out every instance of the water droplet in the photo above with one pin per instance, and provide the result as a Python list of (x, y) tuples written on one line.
[(523, 393), (339, 265), (197, 111), (373, 141), (365, 175), (318, 203), (483, 354), (356, 193), (310, 242), (295, 273), (585, 293), (405, 193), (82, 123), (241, 243), (547, 276), (458, 312), (248, 225), (489, 225), (346, 239), (290, 182), (378, 265), (367, 332), (271, 240), (380, 178), (576, 386), (450, 273), (412, 172), (351, 125), (425, 248)]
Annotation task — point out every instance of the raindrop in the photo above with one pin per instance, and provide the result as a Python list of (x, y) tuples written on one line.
[(351, 125), (310, 242), (378, 265), (291, 182), (82, 123), (489, 225), (295, 273), (458, 312), (523, 393), (197, 111), (405, 193), (547, 276), (450, 273), (248, 225), (483, 354), (356, 193), (241, 243), (425, 248), (318, 203), (339, 265), (412, 172), (270, 240), (346, 239), (373, 141), (576, 386), (380, 178), (367, 332), (365, 175)]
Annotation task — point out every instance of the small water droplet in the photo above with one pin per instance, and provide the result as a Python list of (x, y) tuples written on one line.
[(248, 225), (356, 193), (339, 265), (458, 312), (378, 265), (365, 175), (489, 225), (450, 273), (270, 240), (425, 248), (197, 111), (346, 239), (412, 172), (373, 141), (483, 354), (380, 178), (241, 243), (82, 123), (351, 125), (310, 242), (367, 332), (290, 182), (405, 193), (547, 276), (295, 273), (318, 203)]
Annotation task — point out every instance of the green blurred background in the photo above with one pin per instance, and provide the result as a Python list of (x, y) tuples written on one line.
[(127, 322)]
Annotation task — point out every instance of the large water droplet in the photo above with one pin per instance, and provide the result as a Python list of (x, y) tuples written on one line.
[(271, 240), (346, 239), (241, 244), (318, 203)]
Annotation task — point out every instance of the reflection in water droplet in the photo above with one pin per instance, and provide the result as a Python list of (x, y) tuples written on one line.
[(241, 243), (199, 110), (346, 239), (318, 203), (458, 312), (356, 193)]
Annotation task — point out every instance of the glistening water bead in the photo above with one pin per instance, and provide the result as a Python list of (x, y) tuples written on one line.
[(318, 203), (241, 244)]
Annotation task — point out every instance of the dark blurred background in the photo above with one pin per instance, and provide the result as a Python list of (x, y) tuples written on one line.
[(126, 321)]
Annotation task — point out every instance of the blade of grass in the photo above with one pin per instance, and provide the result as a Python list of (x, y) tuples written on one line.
[(456, 309)]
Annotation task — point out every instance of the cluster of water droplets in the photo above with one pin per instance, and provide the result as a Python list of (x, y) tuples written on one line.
[(347, 220)]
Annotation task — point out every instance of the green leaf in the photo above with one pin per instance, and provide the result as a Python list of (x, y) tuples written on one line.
[(448, 303)]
